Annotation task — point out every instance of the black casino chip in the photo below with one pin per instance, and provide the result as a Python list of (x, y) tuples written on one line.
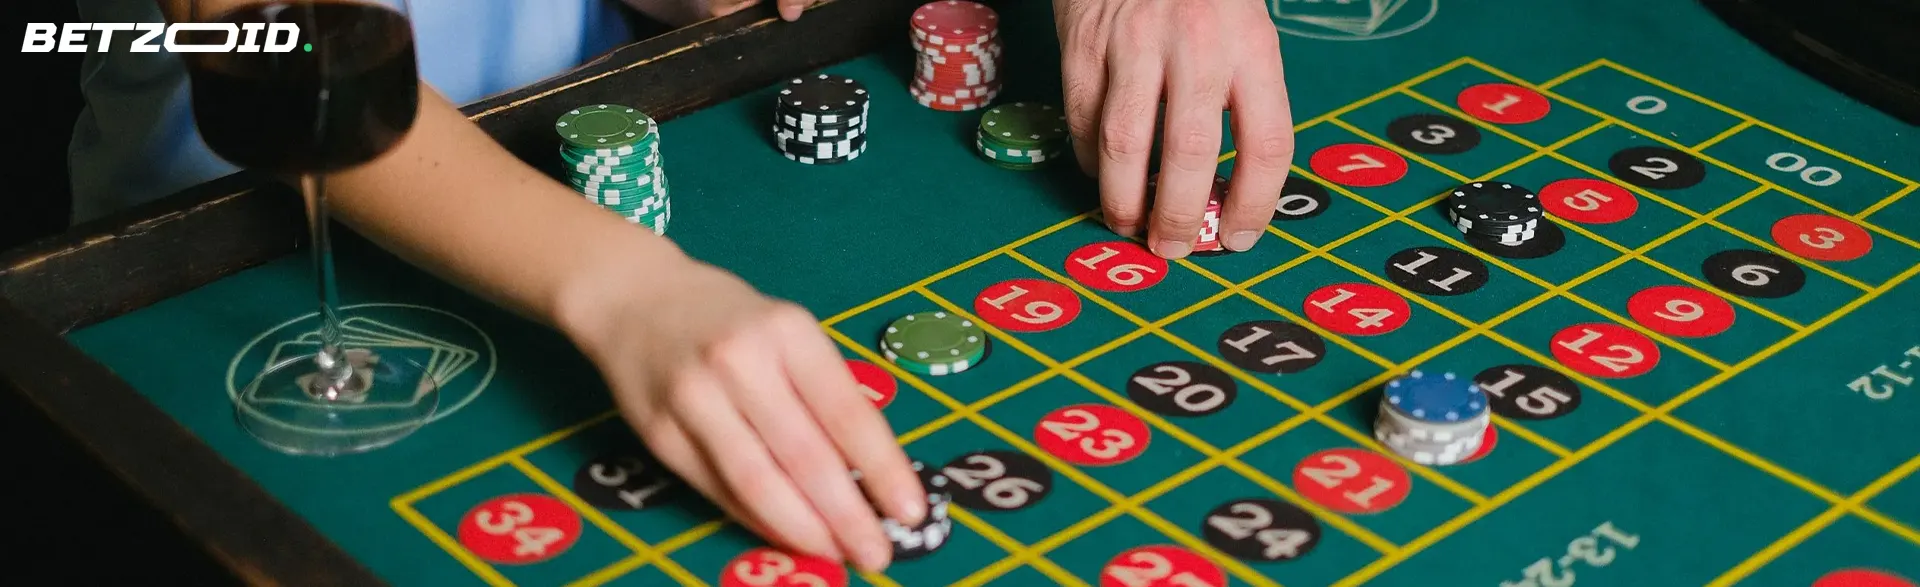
[(1437, 271), (997, 480), (824, 94), (1657, 168), (1261, 530), (1528, 392), (626, 481), (1547, 240), (1754, 274), (931, 533), (1182, 389), (1433, 134), (1272, 347)]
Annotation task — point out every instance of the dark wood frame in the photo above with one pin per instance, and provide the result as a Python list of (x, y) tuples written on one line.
[(113, 266)]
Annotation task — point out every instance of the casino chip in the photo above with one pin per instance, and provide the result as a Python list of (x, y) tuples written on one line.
[(1023, 136), (611, 155), (1432, 419), (1209, 240), (934, 343), (821, 120), (1499, 212), (918, 541), (956, 46)]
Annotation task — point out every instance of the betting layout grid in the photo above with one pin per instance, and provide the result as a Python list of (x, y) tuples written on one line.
[(1293, 523)]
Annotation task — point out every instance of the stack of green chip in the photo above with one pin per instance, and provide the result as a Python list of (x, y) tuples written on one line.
[(934, 343), (612, 156), (1023, 135)]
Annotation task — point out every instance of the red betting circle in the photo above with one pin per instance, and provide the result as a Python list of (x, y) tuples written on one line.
[(1027, 305), (1503, 103), (1487, 441), (1604, 349), (1358, 165), (1822, 238), (1589, 201), (1161, 565), (519, 529), (1357, 309), (1352, 480), (876, 384), (1093, 435), (1678, 310), (1861, 578), (1116, 266), (767, 567)]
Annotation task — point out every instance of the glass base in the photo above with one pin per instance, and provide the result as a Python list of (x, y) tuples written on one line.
[(296, 408)]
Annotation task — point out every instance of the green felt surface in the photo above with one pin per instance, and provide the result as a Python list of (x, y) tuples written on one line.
[(1724, 461)]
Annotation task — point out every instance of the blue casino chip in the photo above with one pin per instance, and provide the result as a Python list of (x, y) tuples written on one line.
[(1442, 398)]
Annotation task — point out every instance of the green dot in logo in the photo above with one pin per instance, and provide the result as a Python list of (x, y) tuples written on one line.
[(307, 47)]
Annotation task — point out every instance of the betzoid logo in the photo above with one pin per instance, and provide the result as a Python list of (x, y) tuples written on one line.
[(209, 37)]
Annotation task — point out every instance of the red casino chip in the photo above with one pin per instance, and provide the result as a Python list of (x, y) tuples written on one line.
[(519, 529), (956, 21)]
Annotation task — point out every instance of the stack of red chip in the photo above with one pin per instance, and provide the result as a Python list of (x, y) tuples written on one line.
[(957, 46), (1210, 229)]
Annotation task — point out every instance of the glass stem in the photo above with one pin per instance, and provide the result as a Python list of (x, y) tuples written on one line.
[(334, 368)]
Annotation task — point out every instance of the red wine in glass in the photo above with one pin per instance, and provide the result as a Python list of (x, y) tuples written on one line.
[(343, 97)]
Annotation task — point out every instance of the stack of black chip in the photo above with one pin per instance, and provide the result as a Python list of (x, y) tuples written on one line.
[(821, 120), (931, 533), (1498, 212)]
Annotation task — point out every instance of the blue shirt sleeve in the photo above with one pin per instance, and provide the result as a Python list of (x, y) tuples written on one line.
[(136, 139)]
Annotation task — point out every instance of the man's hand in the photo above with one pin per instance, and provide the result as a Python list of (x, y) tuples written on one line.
[(746, 398), (1121, 58)]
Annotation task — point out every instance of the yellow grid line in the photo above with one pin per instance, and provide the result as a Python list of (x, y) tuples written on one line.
[(1724, 135), (1889, 200), (1722, 164), (447, 543), (402, 504), (1510, 267), (1250, 473), (1650, 195), (1446, 529), (1820, 522), (600, 520), (1664, 268), (1065, 469), (1743, 116), (1577, 72)]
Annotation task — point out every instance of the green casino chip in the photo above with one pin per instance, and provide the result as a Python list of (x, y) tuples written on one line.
[(1025, 124), (933, 338), (604, 126)]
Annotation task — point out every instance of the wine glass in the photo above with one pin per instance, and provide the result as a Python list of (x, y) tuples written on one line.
[(334, 88)]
